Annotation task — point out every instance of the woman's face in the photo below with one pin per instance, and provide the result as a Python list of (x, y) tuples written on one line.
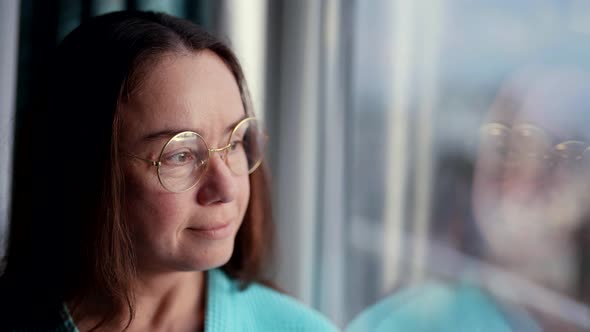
[(531, 192), (194, 229)]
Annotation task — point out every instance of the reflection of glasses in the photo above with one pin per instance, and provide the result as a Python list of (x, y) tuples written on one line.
[(184, 158), (526, 143)]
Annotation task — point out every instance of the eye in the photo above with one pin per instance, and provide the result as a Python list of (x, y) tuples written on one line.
[(234, 145), (179, 158)]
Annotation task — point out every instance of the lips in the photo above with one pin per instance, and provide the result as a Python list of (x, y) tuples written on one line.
[(213, 232), (210, 227)]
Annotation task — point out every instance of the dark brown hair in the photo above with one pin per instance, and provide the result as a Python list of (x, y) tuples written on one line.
[(68, 237)]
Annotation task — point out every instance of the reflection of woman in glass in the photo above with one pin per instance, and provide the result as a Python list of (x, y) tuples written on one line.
[(532, 183), (139, 201), (531, 195)]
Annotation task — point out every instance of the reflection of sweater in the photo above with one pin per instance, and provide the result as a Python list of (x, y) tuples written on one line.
[(443, 308), (257, 308)]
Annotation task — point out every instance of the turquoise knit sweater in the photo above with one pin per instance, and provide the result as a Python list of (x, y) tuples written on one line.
[(257, 308)]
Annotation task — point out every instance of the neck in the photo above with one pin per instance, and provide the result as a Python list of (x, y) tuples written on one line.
[(553, 266), (167, 299), (172, 301)]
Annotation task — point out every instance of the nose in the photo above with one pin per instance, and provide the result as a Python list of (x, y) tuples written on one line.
[(525, 181), (219, 183)]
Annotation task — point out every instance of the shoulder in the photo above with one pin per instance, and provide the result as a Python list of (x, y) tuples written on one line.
[(260, 308), (283, 310)]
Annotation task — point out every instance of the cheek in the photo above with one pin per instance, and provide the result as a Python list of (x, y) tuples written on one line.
[(150, 208), (486, 188), (243, 195)]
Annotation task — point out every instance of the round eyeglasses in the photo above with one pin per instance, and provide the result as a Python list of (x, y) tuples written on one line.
[(185, 157), (529, 145)]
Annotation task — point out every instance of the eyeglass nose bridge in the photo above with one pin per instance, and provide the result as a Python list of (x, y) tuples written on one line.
[(222, 151)]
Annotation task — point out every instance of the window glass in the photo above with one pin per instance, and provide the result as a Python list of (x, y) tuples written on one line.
[(470, 177)]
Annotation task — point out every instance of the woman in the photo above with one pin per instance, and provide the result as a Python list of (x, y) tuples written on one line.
[(141, 199)]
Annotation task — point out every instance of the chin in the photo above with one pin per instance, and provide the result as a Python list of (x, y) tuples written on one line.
[(210, 257)]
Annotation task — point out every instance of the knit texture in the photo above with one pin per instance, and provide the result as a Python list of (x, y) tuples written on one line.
[(256, 308)]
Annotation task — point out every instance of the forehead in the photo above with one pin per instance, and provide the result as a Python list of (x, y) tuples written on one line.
[(564, 116), (188, 91), (556, 100)]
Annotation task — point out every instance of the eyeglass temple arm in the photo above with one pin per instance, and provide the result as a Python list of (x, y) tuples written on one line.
[(151, 162)]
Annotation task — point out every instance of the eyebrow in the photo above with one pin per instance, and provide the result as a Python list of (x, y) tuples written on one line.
[(168, 133)]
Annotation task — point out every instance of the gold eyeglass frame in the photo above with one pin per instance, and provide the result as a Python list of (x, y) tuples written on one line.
[(158, 162), (499, 129)]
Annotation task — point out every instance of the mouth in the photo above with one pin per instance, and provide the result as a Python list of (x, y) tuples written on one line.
[(213, 232)]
